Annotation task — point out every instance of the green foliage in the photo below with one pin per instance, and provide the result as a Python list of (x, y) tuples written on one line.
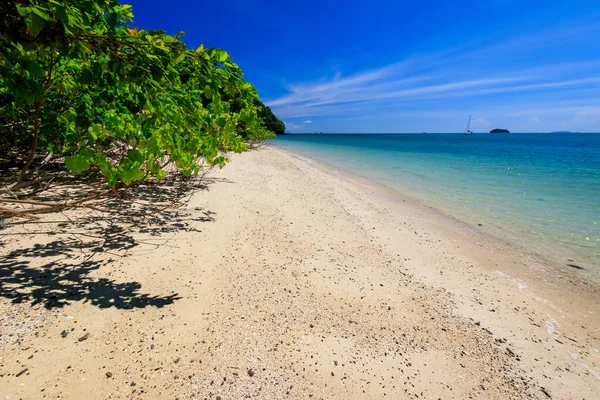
[(258, 133), (76, 81), (270, 121), (266, 126)]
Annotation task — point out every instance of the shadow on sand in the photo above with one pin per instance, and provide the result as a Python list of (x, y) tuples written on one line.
[(57, 272)]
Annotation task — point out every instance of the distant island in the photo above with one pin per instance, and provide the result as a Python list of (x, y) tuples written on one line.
[(499, 131)]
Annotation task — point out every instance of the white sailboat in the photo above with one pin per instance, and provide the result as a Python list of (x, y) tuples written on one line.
[(468, 129)]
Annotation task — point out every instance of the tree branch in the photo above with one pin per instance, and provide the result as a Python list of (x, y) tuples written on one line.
[(36, 132), (49, 206), (20, 185)]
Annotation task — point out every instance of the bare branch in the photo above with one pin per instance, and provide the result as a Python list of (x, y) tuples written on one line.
[(20, 185)]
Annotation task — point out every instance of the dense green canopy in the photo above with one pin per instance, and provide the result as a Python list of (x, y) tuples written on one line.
[(78, 84), (270, 121)]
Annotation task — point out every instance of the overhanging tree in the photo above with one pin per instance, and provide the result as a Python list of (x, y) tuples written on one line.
[(81, 88)]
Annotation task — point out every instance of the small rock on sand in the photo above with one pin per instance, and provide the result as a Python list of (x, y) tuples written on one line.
[(575, 266), (22, 372)]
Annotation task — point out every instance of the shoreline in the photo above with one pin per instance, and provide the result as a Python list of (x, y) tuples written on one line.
[(552, 274), (583, 276), (563, 289), (286, 280)]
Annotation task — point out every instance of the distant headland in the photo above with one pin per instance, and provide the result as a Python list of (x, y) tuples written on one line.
[(497, 130)]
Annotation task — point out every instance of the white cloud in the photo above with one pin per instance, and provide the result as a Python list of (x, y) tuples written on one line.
[(292, 126), (457, 82), (341, 95)]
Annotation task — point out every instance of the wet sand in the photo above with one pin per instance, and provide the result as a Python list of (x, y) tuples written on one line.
[(285, 279)]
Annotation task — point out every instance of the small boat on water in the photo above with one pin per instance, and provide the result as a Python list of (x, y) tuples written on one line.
[(468, 128)]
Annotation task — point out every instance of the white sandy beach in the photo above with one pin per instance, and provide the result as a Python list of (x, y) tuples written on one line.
[(287, 280)]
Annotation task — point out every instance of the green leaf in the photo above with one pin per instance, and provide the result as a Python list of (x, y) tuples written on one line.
[(77, 163), (132, 174), (153, 167), (222, 56), (208, 92), (23, 10), (179, 57), (112, 178), (40, 13), (35, 23), (34, 68), (95, 131), (135, 156), (61, 13)]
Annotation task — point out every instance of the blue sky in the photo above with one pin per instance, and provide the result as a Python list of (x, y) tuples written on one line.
[(406, 66)]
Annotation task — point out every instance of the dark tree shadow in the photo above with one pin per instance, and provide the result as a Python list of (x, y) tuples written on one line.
[(55, 285), (58, 272)]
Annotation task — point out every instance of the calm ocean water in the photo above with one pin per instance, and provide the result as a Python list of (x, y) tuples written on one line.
[(540, 191)]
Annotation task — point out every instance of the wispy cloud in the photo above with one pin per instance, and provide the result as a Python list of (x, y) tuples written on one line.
[(289, 126), (456, 81)]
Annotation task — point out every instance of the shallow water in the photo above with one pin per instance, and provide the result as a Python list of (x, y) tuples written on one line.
[(540, 191)]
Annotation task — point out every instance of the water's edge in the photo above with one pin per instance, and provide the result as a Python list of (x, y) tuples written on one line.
[(585, 276)]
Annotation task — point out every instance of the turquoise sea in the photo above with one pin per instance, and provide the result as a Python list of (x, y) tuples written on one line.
[(539, 191)]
